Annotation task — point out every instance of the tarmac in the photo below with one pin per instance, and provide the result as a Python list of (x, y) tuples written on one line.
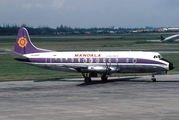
[(124, 98)]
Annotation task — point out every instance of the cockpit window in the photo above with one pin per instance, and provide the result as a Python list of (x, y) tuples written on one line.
[(158, 56)]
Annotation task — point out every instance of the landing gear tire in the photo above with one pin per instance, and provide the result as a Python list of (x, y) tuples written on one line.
[(153, 79), (104, 78), (87, 80)]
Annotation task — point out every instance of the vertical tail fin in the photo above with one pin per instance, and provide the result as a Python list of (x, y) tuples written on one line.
[(162, 38), (24, 45)]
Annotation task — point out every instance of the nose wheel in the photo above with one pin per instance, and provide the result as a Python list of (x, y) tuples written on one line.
[(153, 79)]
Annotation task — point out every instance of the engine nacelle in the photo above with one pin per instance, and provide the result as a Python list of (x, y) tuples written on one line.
[(160, 73), (101, 69)]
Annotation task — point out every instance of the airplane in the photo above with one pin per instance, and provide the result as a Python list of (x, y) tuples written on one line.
[(167, 39), (170, 38), (89, 63)]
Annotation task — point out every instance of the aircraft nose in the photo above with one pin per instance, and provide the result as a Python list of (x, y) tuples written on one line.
[(171, 66)]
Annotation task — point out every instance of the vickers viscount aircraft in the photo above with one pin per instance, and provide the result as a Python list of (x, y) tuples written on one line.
[(90, 64)]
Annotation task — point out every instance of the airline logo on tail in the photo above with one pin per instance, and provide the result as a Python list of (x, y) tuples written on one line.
[(22, 42)]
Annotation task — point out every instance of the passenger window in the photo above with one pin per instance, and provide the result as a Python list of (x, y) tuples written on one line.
[(134, 60), (97, 60), (55, 60), (104, 60), (61, 59), (109, 60), (84, 60), (117, 60), (79, 60), (66, 59), (127, 60), (72, 60), (90, 60)]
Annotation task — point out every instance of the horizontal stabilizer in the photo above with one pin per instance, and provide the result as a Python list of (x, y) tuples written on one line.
[(15, 55)]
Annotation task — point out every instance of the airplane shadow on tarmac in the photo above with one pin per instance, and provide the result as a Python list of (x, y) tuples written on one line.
[(128, 79), (92, 82), (112, 80), (58, 80)]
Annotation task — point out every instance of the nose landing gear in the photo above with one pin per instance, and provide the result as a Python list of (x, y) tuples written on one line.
[(153, 79)]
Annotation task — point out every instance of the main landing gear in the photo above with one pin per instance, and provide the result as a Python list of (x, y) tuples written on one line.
[(87, 77), (104, 78), (153, 79)]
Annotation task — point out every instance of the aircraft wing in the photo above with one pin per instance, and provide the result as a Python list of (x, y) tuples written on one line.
[(93, 68), (75, 67), (153, 40)]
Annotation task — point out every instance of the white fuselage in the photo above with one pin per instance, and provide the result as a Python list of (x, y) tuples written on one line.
[(100, 62), (171, 38)]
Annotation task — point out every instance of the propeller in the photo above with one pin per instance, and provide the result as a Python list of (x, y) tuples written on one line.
[(108, 69)]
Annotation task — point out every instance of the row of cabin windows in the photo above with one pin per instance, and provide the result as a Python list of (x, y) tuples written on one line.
[(91, 60)]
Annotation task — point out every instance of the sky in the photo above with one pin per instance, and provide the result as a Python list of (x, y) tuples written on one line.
[(90, 13)]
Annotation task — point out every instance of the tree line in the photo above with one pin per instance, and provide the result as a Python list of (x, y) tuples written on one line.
[(7, 29)]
